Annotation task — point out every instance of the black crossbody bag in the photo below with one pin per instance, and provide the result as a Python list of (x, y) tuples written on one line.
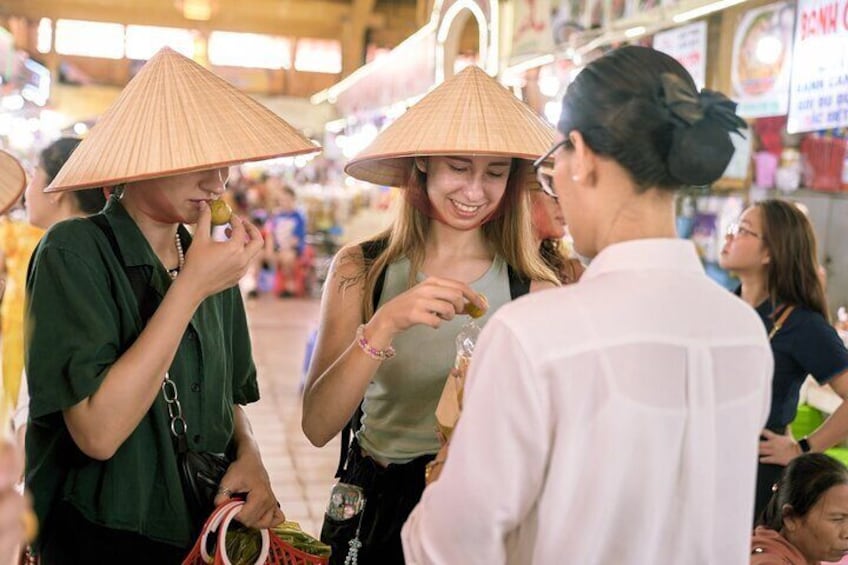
[(200, 471)]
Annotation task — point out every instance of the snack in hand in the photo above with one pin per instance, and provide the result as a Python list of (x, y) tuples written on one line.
[(221, 212), (475, 311)]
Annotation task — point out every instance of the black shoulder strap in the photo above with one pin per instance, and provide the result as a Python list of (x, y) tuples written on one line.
[(518, 285), (370, 250), (139, 277)]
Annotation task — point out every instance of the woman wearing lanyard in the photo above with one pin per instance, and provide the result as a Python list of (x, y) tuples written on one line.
[(772, 249)]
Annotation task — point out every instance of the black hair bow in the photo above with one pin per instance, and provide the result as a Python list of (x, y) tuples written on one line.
[(687, 107)]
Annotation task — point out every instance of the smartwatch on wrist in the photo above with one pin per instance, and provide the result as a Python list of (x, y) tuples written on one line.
[(804, 445)]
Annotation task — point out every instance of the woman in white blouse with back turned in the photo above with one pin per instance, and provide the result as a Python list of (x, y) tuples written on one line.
[(615, 420)]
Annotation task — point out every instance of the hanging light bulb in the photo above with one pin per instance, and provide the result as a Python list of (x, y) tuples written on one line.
[(198, 10)]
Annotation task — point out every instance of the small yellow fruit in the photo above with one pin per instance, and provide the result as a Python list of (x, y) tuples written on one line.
[(221, 212), (475, 311)]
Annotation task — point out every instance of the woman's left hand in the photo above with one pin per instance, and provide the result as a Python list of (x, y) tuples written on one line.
[(247, 475), (778, 449)]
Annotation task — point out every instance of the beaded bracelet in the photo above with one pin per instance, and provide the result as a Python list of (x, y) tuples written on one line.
[(370, 350)]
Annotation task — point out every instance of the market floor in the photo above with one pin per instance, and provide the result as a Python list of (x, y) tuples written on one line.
[(300, 473)]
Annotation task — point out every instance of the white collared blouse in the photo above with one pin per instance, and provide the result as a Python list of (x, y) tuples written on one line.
[(611, 422)]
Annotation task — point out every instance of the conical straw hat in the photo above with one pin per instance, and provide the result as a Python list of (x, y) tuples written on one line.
[(176, 117), (469, 114), (12, 181)]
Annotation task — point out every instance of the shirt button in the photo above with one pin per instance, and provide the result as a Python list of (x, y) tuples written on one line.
[(195, 387), (197, 438)]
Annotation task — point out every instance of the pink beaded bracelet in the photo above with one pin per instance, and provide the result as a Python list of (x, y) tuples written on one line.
[(370, 350)]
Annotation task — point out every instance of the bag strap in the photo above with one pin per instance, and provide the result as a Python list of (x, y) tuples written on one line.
[(518, 286), (139, 277), (780, 321), (370, 251), (147, 301)]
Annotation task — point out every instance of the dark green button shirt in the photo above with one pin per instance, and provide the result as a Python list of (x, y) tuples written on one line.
[(81, 316)]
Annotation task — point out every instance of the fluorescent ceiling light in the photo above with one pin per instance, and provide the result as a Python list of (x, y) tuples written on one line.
[(704, 10)]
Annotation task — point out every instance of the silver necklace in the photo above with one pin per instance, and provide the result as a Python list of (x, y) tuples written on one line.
[(180, 259)]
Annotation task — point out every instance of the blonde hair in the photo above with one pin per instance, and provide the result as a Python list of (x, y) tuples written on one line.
[(509, 233)]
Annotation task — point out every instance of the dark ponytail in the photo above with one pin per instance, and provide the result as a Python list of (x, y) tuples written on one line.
[(641, 108), (52, 159), (803, 483)]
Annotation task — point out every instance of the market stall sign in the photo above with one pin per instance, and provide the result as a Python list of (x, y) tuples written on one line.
[(687, 44), (531, 31), (407, 71), (819, 86), (762, 57)]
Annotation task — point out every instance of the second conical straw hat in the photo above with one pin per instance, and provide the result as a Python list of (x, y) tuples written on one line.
[(176, 117), (469, 114), (12, 181)]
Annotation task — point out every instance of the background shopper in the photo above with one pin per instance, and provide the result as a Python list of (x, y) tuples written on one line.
[(549, 229), (806, 520), (772, 249)]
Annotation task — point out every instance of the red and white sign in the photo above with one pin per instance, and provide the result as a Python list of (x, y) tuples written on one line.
[(819, 86)]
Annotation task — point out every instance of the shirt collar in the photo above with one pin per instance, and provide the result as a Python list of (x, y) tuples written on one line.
[(135, 248), (646, 255)]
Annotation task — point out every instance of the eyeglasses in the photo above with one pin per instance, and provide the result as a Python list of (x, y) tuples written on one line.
[(544, 173), (735, 230), (545, 176), (564, 143)]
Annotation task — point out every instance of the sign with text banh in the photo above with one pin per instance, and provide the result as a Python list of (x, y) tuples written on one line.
[(819, 87), (687, 44), (762, 61)]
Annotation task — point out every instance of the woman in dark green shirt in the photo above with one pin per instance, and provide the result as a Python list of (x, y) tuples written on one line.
[(101, 459)]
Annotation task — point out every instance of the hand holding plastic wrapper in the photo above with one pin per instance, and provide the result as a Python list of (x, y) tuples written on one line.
[(450, 403)]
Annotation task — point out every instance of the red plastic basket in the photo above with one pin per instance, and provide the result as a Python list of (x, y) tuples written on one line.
[(824, 159), (274, 550)]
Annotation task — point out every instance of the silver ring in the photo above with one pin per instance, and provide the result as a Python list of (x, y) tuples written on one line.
[(225, 491)]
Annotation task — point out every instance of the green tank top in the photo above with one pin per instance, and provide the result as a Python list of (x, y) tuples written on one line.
[(398, 420)]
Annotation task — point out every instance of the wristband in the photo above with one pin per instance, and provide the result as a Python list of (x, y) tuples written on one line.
[(804, 445), (370, 350)]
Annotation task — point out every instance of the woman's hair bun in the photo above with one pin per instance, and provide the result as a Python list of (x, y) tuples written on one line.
[(700, 147), (699, 153)]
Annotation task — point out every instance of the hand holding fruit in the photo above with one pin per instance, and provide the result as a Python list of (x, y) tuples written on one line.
[(475, 310), (221, 216), (213, 266)]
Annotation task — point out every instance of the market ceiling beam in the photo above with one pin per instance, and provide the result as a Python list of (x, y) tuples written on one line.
[(353, 35), (297, 18)]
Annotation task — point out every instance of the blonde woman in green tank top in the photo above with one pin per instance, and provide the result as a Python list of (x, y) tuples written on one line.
[(462, 224)]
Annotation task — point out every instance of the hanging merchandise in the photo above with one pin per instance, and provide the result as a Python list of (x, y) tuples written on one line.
[(762, 57), (820, 67)]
